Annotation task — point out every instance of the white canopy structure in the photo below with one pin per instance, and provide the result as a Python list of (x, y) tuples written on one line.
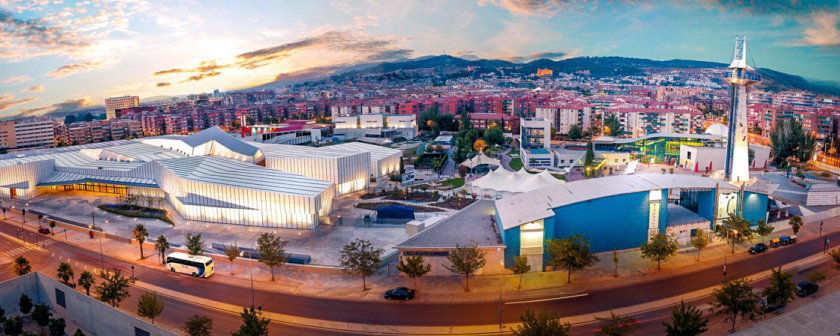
[(500, 183), (481, 159)]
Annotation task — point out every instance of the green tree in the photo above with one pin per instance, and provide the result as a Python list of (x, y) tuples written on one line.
[(25, 304), (114, 287), (574, 132), (494, 136), (21, 266), (615, 262), (150, 305), (272, 250), (140, 233), (612, 126), (763, 229), (252, 324), (835, 256), (41, 315), (589, 160), (544, 324), (86, 280), (231, 252), (78, 332), (13, 326), (465, 260), (198, 325), (615, 325), (780, 290), (733, 298), (359, 257), (52, 231), (161, 245), (736, 229), (65, 272), (194, 244), (788, 140), (413, 267), (795, 224), (700, 241), (686, 321), (571, 254), (520, 267), (57, 326), (660, 248)]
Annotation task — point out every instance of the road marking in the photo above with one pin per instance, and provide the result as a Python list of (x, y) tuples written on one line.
[(548, 299), (17, 251)]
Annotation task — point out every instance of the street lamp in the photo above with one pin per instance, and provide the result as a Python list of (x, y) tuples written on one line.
[(501, 267), (250, 270), (733, 248)]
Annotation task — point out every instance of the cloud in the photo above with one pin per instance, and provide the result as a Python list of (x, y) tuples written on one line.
[(16, 80), (8, 101), (356, 47), (35, 37), (36, 88), (542, 8), (767, 7), (310, 73), (824, 32), (71, 69), (67, 105), (552, 55), (162, 84)]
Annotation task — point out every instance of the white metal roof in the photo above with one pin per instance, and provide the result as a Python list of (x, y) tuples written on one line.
[(376, 152), (530, 206)]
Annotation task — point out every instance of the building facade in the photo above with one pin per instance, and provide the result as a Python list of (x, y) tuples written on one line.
[(114, 103)]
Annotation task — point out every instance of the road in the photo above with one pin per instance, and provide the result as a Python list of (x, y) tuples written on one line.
[(413, 313)]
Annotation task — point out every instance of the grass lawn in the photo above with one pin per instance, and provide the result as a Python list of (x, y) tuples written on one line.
[(453, 182), (516, 164), (559, 177)]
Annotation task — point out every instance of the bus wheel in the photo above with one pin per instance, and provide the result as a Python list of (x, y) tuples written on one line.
[(194, 274), (172, 269)]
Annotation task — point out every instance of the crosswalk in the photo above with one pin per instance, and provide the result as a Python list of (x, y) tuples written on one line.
[(18, 251)]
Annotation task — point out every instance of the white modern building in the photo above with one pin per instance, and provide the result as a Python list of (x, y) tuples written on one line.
[(208, 176), (535, 142), (375, 126)]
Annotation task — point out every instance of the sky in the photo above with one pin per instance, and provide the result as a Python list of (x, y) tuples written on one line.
[(58, 55)]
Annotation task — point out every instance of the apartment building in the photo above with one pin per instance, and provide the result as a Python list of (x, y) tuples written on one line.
[(642, 121), (27, 133), (114, 103)]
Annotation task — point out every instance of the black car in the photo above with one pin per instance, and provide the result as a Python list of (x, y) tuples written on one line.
[(399, 293), (758, 248), (44, 230), (806, 288)]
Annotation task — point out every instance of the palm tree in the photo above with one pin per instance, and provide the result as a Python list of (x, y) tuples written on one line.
[(140, 234), (65, 272), (21, 266), (161, 245), (87, 281)]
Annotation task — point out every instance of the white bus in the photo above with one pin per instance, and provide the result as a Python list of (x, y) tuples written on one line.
[(197, 266)]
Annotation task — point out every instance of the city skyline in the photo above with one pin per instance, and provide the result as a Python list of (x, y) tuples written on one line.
[(71, 55)]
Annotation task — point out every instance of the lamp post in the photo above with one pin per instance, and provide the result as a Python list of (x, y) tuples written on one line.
[(733, 248), (501, 266), (825, 245), (250, 270), (93, 218), (821, 223)]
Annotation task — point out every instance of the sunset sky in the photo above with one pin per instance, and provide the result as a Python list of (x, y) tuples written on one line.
[(57, 55)]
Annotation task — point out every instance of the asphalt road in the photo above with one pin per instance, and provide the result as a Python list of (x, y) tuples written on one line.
[(416, 313)]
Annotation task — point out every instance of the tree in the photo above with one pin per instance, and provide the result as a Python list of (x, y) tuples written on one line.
[(78, 332), (413, 267), (780, 290), (13, 326), (65, 272), (41, 315), (272, 250), (479, 145), (795, 224), (161, 245), (520, 267), (816, 277), (140, 235), (615, 325), (736, 229), (465, 260), (763, 229), (150, 305), (660, 248), (700, 241), (197, 325), (835, 255), (686, 321), (52, 231), (571, 254), (194, 244), (544, 324), (494, 136), (57, 326), (232, 252), (114, 287), (21, 266), (87, 281), (252, 324), (733, 298), (40, 217), (612, 126), (359, 257), (788, 140), (589, 159), (25, 304), (615, 262), (574, 132)]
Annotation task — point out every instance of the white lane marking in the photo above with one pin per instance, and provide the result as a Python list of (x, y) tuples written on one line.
[(548, 299)]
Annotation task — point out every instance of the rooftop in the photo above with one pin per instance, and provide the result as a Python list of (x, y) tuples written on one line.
[(475, 223)]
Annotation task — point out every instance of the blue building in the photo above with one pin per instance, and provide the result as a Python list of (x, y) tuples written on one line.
[(620, 212)]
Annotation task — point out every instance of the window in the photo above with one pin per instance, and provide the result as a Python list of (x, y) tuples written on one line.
[(141, 332), (59, 298)]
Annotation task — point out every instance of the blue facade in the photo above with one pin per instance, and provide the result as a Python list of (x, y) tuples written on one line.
[(511, 240), (755, 207), (615, 222)]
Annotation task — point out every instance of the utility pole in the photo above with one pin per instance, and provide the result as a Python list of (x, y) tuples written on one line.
[(825, 245), (821, 223)]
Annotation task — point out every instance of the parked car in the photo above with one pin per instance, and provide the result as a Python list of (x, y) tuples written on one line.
[(806, 288), (758, 248), (399, 293), (785, 240), (792, 239), (44, 230), (775, 242)]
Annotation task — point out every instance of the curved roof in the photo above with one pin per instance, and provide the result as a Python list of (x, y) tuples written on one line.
[(501, 180), (530, 206), (717, 129), (480, 159)]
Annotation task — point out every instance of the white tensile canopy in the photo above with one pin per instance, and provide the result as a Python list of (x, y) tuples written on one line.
[(480, 159), (501, 182)]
